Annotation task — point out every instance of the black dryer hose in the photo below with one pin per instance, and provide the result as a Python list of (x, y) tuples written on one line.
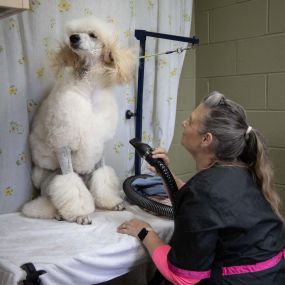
[(145, 151)]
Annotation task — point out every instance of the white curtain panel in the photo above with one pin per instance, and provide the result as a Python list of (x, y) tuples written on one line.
[(28, 38)]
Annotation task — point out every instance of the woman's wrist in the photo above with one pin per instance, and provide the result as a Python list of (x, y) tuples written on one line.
[(144, 232), (152, 241), (179, 182)]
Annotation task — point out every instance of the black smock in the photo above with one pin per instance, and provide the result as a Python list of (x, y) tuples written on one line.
[(222, 219)]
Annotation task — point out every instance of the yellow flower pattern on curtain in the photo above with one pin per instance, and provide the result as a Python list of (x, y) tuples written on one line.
[(26, 42)]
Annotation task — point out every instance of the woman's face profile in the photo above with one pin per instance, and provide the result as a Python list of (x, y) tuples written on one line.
[(191, 139)]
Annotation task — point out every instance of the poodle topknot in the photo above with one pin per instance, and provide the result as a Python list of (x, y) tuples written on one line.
[(89, 41)]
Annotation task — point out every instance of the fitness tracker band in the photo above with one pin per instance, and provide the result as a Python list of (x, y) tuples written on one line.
[(143, 233)]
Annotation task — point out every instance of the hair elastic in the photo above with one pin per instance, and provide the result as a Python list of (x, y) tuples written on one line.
[(248, 130)]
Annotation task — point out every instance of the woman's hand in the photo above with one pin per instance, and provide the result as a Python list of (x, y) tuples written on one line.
[(132, 227), (161, 153)]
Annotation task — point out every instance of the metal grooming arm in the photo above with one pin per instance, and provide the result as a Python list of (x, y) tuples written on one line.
[(141, 36)]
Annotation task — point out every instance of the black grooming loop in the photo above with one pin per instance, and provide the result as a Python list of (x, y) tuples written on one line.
[(33, 275)]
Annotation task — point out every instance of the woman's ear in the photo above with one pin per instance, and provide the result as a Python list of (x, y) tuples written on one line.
[(207, 139)]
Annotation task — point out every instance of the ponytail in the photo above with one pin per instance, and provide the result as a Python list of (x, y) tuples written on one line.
[(256, 157)]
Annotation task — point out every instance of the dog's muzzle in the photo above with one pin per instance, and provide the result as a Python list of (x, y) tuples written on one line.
[(74, 40)]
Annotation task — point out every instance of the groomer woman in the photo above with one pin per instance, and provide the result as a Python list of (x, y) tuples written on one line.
[(228, 229)]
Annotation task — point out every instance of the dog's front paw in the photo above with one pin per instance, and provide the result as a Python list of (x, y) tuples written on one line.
[(58, 217), (83, 220), (119, 207)]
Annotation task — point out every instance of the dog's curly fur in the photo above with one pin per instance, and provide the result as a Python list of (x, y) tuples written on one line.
[(79, 114)]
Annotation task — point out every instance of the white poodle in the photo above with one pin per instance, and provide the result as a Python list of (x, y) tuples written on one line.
[(73, 123)]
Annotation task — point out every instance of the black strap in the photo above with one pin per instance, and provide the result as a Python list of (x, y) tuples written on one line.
[(32, 277)]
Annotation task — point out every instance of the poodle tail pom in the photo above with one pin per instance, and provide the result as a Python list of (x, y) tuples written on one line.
[(40, 208)]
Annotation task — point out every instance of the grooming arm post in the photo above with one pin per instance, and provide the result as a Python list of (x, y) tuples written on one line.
[(63, 155), (141, 36)]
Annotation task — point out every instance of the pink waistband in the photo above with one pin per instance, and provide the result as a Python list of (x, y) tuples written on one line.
[(231, 270)]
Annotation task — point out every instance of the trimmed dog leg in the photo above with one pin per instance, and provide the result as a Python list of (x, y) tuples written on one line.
[(71, 198), (68, 192), (105, 186)]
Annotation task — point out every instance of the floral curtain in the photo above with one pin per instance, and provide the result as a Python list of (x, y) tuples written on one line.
[(28, 38)]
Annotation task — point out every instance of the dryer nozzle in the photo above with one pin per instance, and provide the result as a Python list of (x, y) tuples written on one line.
[(142, 149)]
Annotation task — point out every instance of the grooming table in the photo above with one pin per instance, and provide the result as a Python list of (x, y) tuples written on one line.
[(72, 253)]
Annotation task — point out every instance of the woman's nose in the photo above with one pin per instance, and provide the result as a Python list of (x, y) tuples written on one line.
[(183, 123)]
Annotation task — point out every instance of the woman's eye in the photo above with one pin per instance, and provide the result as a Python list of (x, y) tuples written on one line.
[(92, 35)]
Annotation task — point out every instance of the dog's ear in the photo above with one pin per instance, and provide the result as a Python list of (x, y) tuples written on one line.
[(125, 60), (62, 58), (107, 55), (121, 62)]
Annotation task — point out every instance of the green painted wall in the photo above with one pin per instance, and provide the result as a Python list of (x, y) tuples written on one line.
[(181, 161)]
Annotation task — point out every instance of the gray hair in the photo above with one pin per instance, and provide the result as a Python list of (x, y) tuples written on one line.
[(226, 121)]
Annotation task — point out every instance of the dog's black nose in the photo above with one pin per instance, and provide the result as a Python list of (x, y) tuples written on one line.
[(74, 39)]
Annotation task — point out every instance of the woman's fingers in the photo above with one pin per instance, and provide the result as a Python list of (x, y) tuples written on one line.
[(132, 227), (162, 154), (159, 150), (125, 228)]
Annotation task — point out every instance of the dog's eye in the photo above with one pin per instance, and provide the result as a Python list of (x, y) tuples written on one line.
[(92, 35)]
